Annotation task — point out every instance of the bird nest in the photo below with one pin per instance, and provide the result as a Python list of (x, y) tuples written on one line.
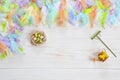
[(38, 38)]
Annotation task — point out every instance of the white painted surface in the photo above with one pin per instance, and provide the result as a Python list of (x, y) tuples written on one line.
[(67, 55)]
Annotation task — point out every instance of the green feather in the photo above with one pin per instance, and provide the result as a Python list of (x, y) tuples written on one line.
[(4, 26), (104, 18), (3, 56)]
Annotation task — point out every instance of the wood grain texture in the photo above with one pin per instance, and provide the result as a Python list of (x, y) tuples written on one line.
[(67, 55)]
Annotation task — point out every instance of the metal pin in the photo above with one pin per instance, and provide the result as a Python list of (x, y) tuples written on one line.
[(96, 36)]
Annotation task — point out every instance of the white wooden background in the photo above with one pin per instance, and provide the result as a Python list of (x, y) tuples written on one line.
[(67, 55)]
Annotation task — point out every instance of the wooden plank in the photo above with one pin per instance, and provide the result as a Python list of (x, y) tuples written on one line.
[(60, 74)]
